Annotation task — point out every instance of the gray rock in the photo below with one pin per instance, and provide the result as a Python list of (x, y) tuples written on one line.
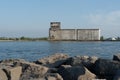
[(53, 76), (87, 61), (33, 71), (87, 76), (75, 73), (116, 57), (53, 61), (106, 68), (3, 75), (117, 75), (10, 62), (36, 79), (14, 73)]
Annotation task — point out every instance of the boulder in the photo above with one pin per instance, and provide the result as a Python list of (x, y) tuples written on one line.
[(27, 70), (13, 73), (10, 62), (75, 73), (53, 76), (82, 60), (116, 57), (53, 61), (3, 75), (106, 68), (117, 75), (35, 79), (87, 76), (33, 71)]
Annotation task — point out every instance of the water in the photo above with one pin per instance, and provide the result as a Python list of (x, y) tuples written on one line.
[(35, 50)]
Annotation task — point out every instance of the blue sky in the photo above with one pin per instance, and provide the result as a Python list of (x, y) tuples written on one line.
[(31, 18)]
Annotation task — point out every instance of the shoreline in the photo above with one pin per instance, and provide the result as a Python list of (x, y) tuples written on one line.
[(61, 67), (54, 41)]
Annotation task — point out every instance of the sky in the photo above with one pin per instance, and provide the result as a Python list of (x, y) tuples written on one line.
[(31, 18)]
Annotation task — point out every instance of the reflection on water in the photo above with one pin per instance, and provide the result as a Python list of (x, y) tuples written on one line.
[(35, 50)]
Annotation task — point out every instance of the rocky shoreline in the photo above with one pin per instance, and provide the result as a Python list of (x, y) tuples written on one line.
[(61, 67)]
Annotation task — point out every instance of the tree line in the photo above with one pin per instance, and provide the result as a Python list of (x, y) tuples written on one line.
[(23, 38), (102, 38)]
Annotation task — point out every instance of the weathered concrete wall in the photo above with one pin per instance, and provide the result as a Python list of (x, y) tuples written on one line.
[(68, 34), (88, 34), (72, 34), (63, 34), (55, 34)]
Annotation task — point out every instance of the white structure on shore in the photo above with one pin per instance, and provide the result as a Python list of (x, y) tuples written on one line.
[(56, 33)]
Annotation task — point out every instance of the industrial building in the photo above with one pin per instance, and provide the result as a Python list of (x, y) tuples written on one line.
[(56, 33)]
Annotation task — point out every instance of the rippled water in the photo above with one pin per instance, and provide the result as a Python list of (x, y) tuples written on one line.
[(34, 50)]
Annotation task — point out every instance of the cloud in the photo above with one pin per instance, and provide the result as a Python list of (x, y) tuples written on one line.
[(106, 19), (109, 22)]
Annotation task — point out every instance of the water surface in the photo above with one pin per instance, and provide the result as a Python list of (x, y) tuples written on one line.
[(34, 50)]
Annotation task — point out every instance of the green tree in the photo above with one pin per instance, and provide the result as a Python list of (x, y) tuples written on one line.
[(101, 38), (22, 38)]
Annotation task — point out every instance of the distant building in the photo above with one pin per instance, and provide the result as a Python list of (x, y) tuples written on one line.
[(56, 33), (111, 39)]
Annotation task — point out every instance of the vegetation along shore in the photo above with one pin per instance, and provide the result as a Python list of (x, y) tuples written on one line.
[(22, 39), (46, 38)]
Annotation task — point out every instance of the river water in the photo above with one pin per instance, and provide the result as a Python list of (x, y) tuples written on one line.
[(32, 51)]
